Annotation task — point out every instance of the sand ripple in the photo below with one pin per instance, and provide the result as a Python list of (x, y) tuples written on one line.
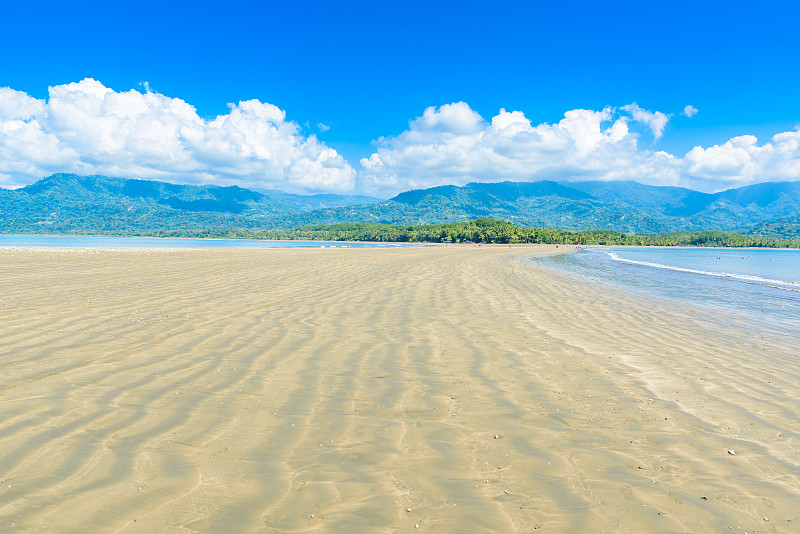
[(291, 390)]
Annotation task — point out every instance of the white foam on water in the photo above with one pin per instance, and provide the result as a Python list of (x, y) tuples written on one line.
[(778, 284)]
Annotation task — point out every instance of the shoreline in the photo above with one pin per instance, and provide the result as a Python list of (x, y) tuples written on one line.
[(388, 243), (731, 305), (270, 391)]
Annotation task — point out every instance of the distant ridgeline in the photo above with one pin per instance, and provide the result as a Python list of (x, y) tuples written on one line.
[(610, 212)]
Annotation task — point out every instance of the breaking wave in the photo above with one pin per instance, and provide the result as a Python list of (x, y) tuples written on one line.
[(778, 284)]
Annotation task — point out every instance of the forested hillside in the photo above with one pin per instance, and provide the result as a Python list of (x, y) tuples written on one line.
[(66, 203)]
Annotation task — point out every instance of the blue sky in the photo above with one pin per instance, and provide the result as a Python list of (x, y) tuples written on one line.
[(358, 77)]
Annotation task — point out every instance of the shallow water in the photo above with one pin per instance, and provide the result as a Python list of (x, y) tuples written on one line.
[(758, 286), (157, 242)]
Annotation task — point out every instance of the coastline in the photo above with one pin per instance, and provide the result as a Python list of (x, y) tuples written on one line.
[(758, 292), (284, 390), (396, 243), (291, 243)]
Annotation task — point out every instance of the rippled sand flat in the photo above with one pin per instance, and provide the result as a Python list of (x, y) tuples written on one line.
[(441, 389)]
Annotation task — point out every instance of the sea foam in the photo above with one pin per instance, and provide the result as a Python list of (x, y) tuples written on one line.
[(779, 284)]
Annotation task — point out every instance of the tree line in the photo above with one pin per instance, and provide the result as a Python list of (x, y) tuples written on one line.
[(482, 231)]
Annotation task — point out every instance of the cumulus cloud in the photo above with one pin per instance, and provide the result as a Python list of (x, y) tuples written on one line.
[(690, 111), (16, 105), (453, 144), (655, 120), (87, 128), (741, 161)]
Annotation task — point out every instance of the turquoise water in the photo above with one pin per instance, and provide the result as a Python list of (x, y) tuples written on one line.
[(153, 242), (761, 286)]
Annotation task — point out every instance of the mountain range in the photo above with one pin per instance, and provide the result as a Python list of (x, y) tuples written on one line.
[(67, 203)]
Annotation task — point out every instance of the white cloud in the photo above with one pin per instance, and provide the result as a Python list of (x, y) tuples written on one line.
[(88, 128), (690, 111), (655, 120), (741, 161), (323, 127), (456, 118), (454, 145), (16, 105)]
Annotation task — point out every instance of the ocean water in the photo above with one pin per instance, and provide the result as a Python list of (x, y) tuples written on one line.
[(154, 242), (758, 287)]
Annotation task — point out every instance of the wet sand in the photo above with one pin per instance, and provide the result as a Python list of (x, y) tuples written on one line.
[(441, 389)]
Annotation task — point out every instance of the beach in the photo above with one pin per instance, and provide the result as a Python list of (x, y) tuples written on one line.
[(439, 389)]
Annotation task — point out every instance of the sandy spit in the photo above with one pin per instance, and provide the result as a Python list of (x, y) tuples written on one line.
[(441, 389)]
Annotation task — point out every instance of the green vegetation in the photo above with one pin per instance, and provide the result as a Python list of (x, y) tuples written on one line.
[(627, 212), (494, 231), (784, 228), (71, 204), (484, 231)]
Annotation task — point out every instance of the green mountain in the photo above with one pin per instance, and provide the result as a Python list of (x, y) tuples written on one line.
[(620, 206), (782, 228), (66, 203), (319, 201)]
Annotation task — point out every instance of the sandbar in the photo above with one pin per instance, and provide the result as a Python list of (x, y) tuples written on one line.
[(439, 389)]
